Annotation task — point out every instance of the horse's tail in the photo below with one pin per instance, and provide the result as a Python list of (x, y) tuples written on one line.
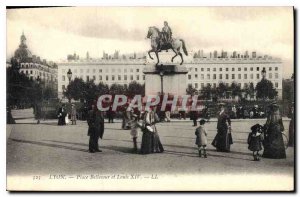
[(183, 47)]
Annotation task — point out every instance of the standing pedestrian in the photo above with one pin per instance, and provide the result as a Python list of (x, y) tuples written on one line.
[(168, 113), (201, 138), (223, 139), (273, 140), (291, 127), (157, 146), (255, 139), (147, 138), (61, 115), (110, 115), (233, 109), (73, 114), (96, 128), (134, 131), (150, 139), (194, 117)]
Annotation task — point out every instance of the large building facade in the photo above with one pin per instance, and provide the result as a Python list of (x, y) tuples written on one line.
[(34, 67), (99, 70), (213, 71), (202, 71)]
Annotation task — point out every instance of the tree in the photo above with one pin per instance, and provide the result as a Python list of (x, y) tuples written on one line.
[(21, 91), (206, 92), (49, 93), (190, 90), (221, 90), (135, 88), (90, 92), (236, 89), (264, 89), (76, 89), (102, 89), (117, 89)]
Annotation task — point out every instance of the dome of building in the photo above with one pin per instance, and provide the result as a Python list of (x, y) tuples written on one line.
[(23, 52)]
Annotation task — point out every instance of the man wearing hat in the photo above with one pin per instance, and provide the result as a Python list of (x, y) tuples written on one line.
[(166, 32), (73, 114), (96, 128)]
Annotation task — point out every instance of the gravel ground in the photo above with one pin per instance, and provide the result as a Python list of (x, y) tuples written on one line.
[(50, 149)]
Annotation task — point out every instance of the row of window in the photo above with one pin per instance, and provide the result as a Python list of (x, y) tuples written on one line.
[(138, 70), (27, 72), (233, 76), (101, 70), (112, 77), (34, 66), (202, 85), (232, 69)]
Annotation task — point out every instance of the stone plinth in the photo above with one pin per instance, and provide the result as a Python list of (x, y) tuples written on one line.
[(174, 79)]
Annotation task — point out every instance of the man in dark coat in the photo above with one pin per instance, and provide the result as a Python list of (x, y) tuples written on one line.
[(96, 128), (110, 115), (194, 117)]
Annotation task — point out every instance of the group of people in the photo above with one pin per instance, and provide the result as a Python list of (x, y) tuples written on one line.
[(268, 137), (63, 115), (150, 139), (247, 112)]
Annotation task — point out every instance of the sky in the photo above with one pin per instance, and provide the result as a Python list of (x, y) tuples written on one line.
[(53, 33)]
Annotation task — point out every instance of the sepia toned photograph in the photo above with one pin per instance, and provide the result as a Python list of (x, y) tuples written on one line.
[(150, 99)]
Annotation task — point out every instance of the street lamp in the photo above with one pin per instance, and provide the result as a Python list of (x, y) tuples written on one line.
[(161, 73), (69, 74), (263, 74), (37, 110)]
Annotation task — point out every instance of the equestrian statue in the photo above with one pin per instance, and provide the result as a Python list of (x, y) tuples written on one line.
[(163, 41)]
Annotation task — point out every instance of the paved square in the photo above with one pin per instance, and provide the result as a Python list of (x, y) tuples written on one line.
[(51, 157)]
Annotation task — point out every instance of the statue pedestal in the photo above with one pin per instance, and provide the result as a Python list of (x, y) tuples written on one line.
[(172, 78)]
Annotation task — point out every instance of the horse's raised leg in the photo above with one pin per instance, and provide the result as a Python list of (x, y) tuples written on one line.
[(156, 53), (149, 53), (174, 55), (180, 54)]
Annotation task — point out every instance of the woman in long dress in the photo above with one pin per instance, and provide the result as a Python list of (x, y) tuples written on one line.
[(61, 115), (273, 140), (291, 127), (223, 139), (150, 139), (157, 146)]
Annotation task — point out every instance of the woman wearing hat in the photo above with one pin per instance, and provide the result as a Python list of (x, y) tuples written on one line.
[(273, 143), (291, 126), (150, 139), (223, 139)]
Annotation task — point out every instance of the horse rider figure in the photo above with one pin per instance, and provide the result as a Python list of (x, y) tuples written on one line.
[(166, 33)]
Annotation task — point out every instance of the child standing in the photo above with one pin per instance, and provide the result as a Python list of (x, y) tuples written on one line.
[(201, 139), (134, 131), (255, 139)]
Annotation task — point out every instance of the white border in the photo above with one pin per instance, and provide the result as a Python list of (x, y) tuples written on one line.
[(109, 3)]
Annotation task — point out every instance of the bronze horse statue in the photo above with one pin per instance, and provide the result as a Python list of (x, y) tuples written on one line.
[(158, 45)]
